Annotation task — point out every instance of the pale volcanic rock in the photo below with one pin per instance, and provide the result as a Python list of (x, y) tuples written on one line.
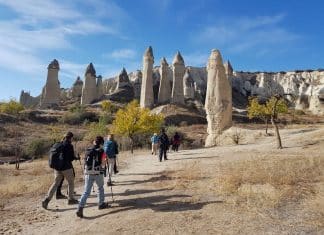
[(165, 88), (77, 88), (51, 92), (218, 103), (177, 95), (189, 85), (89, 90), (147, 97)]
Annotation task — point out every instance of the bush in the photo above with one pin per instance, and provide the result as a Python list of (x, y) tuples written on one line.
[(12, 107), (38, 147), (75, 118), (96, 128)]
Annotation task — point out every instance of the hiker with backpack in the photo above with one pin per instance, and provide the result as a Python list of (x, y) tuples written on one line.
[(94, 172), (164, 145), (61, 157), (111, 151), (176, 142)]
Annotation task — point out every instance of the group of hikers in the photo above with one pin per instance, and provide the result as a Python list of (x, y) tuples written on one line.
[(99, 161)]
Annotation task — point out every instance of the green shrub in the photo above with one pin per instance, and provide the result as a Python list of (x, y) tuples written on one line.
[(95, 129), (38, 147), (12, 107), (78, 117)]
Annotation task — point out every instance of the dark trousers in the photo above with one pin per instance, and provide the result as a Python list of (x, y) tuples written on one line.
[(163, 153)]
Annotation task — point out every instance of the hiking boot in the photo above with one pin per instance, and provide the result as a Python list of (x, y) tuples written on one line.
[(60, 196), (116, 172), (110, 184), (45, 203), (103, 206), (79, 212), (73, 201)]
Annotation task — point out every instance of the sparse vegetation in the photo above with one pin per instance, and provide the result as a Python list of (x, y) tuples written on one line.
[(237, 136), (133, 120), (38, 147), (12, 107)]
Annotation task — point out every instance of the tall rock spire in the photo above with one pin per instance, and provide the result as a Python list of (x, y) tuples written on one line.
[(147, 97), (165, 88), (51, 92), (218, 98), (177, 96), (189, 85), (89, 89)]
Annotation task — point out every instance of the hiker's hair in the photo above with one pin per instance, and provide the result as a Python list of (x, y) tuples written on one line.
[(68, 136), (162, 130), (99, 140), (110, 137)]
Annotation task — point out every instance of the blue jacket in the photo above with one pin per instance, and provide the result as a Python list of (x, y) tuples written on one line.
[(155, 139), (111, 148)]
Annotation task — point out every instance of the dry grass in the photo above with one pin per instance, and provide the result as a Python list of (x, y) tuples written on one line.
[(269, 181), (32, 179)]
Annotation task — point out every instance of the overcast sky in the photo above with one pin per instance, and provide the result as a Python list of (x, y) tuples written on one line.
[(254, 35)]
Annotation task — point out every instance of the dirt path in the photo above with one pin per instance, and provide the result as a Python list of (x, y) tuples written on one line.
[(145, 203)]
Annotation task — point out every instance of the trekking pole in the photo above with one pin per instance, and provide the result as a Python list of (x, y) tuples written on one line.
[(109, 178)]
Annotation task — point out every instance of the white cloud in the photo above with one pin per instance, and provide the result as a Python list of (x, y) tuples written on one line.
[(121, 54), (246, 34)]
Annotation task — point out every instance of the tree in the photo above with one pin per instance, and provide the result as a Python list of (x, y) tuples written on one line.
[(107, 106), (133, 120), (268, 112), (12, 107)]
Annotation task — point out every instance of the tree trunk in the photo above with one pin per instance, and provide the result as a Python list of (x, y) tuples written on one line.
[(273, 116), (132, 144), (267, 124)]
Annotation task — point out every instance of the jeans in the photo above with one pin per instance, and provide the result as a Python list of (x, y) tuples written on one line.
[(58, 176), (89, 180)]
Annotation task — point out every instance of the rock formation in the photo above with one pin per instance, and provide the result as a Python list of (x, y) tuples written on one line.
[(50, 96), (77, 88), (100, 88), (189, 85), (137, 84), (228, 69), (89, 90), (147, 98), (218, 99), (177, 96), (124, 90), (27, 100), (165, 88)]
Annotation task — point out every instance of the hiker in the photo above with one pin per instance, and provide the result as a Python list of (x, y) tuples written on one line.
[(155, 143), (111, 151), (176, 142), (164, 145), (94, 172), (65, 171)]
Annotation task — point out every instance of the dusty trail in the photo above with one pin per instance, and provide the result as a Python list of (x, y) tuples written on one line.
[(146, 204)]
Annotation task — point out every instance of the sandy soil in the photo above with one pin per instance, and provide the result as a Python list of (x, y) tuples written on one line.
[(146, 201)]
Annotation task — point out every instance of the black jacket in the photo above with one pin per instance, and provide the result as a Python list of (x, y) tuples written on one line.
[(164, 141), (68, 155)]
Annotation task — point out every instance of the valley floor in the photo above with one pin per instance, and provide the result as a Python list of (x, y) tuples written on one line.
[(183, 195)]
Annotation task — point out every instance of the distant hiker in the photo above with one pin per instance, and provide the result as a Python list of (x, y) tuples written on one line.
[(111, 151), (155, 143), (164, 145), (94, 172), (176, 142), (62, 168)]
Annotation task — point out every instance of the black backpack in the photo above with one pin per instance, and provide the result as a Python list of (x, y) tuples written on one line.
[(56, 156), (93, 161)]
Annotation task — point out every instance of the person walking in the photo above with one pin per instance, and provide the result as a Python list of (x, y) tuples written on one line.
[(155, 143), (111, 151), (164, 145), (176, 142), (94, 172), (65, 171)]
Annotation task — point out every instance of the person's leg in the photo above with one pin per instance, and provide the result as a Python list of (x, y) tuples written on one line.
[(68, 174), (59, 188), (101, 192), (115, 166), (165, 153), (160, 153), (58, 177), (88, 182), (155, 149), (111, 162), (152, 148)]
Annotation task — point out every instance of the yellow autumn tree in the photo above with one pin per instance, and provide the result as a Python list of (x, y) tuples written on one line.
[(133, 120), (268, 112), (12, 107)]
